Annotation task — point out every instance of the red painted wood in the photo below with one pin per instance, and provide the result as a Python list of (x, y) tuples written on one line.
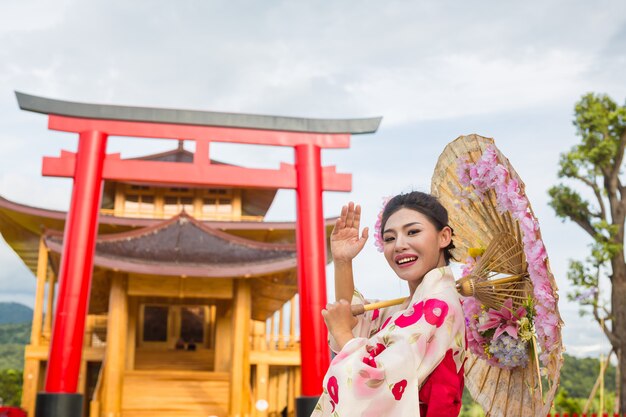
[(208, 133), (197, 173), (76, 266), (311, 243)]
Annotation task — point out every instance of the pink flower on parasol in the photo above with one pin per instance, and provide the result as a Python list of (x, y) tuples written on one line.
[(504, 320)]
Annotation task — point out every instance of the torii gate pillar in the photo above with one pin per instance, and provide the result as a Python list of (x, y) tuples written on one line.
[(91, 165)]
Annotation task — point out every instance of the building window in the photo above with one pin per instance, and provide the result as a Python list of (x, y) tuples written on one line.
[(175, 204), (217, 205), (139, 204), (139, 200)]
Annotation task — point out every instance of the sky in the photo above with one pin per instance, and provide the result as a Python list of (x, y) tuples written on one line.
[(434, 70)]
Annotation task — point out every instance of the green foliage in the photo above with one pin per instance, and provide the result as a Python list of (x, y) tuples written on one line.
[(13, 337), (11, 387), (15, 313), (469, 408), (568, 204), (15, 333), (564, 403), (579, 374), (600, 123), (596, 163), (11, 356)]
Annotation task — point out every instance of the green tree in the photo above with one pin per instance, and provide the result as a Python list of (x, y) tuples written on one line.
[(596, 164), (563, 403), (11, 387)]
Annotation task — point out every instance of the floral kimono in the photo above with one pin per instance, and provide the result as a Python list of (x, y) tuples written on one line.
[(401, 363)]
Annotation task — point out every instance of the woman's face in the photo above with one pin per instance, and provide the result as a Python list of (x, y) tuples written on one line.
[(413, 245)]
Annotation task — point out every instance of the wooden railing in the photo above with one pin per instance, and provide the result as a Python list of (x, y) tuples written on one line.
[(275, 363), (95, 330)]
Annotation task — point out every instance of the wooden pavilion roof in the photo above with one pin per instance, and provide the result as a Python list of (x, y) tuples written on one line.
[(185, 246), (22, 227)]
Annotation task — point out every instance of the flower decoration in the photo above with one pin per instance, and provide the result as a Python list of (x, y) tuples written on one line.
[(378, 233), (479, 178), (503, 320)]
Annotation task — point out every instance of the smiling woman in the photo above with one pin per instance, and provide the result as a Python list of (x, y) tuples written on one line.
[(395, 361)]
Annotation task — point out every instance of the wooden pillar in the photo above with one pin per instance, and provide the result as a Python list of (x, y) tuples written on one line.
[(281, 332), (47, 325), (42, 272), (240, 359), (237, 203), (262, 387), (223, 337), (211, 327), (115, 360), (131, 336), (292, 322), (283, 389), (291, 391), (30, 385), (272, 332), (82, 379)]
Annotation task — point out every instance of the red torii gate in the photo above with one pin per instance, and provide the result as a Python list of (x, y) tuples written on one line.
[(90, 165)]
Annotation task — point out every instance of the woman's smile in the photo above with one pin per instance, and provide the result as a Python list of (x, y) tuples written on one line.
[(406, 260)]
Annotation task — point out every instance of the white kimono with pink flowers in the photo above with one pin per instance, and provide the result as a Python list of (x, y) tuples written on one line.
[(380, 371)]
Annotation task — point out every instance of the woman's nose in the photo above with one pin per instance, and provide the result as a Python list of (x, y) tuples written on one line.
[(401, 244)]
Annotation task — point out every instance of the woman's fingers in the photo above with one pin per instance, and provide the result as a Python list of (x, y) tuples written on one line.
[(338, 226), (350, 215), (357, 217), (344, 213), (365, 234)]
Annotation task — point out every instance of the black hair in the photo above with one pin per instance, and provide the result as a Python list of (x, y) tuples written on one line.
[(426, 204)]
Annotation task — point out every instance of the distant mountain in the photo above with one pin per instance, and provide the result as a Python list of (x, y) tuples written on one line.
[(15, 313), (15, 334)]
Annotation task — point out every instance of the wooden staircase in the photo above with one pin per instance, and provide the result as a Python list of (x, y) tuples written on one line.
[(150, 393)]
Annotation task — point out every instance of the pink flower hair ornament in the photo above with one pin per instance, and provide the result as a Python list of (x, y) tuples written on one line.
[(378, 233)]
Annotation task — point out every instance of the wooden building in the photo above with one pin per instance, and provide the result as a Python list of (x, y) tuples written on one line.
[(193, 301)]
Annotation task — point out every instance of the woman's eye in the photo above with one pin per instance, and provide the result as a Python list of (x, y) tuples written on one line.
[(388, 239), (413, 232)]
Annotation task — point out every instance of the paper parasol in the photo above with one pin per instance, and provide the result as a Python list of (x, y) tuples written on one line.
[(514, 327)]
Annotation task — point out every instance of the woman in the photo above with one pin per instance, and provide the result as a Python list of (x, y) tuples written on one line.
[(405, 360)]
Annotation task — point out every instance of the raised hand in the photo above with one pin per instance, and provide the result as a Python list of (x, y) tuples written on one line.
[(345, 242)]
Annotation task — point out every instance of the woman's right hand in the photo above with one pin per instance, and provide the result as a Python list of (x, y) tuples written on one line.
[(345, 242)]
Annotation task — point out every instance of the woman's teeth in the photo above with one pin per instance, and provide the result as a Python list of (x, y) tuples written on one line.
[(405, 260)]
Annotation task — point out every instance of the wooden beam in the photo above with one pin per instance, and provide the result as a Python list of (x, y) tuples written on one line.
[(92, 354), (42, 272), (47, 326), (275, 357), (115, 360), (240, 360), (192, 287)]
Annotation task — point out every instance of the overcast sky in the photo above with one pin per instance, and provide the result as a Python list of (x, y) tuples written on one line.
[(434, 70)]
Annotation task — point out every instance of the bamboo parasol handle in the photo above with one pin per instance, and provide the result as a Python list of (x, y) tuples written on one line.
[(358, 309)]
